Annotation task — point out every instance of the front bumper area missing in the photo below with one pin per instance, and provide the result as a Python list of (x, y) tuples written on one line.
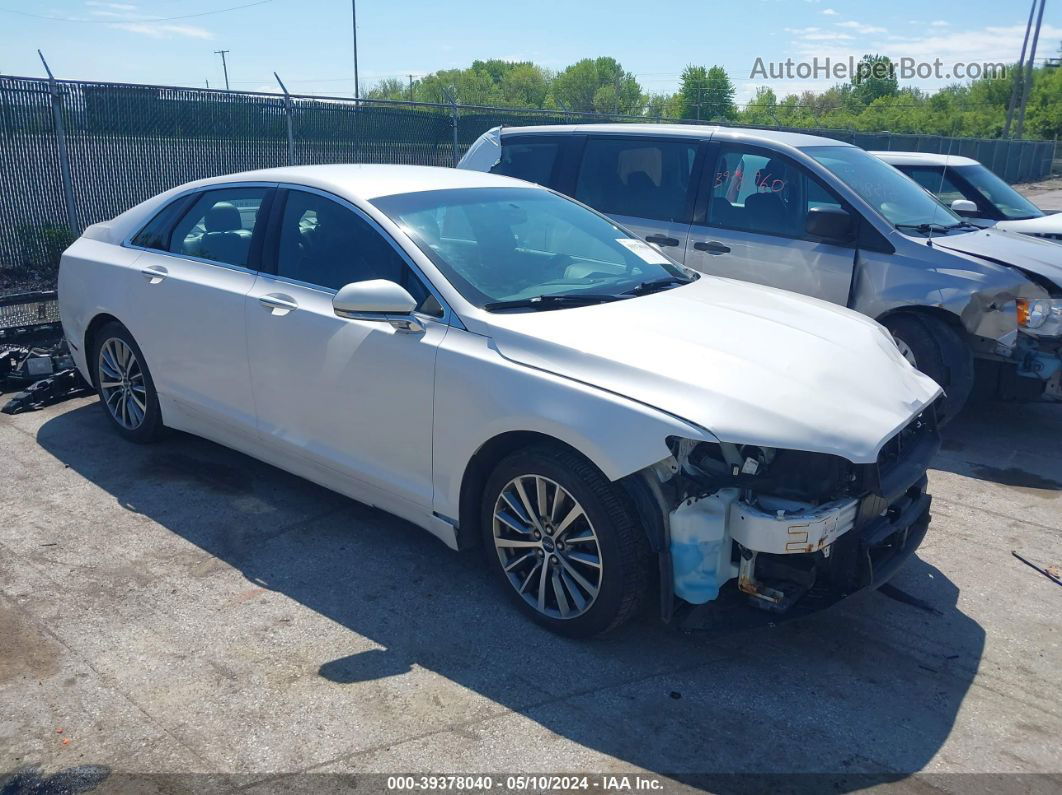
[(885, 535)]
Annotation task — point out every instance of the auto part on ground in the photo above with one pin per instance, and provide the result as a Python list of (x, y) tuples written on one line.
[(757, 535), (29, 317), (45, 374)]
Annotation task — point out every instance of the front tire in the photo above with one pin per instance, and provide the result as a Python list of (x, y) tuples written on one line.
[(564, 542), (123, 382), (939, 351)]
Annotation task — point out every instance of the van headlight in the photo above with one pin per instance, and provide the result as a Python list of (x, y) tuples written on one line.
[(1041, 316)]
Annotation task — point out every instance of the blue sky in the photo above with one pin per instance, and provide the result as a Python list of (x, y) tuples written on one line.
[(309, 41)]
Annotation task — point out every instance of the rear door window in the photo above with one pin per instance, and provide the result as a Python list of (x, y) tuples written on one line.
[(532, 161), (643, 178), (219, 225)]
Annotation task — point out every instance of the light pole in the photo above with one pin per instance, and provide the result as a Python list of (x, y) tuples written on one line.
[(224, 66), (354, 25)]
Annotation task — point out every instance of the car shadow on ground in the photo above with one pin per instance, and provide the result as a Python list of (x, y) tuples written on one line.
[(864, 693), (1016, 445)]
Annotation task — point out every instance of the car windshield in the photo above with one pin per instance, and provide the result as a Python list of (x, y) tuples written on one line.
[(503, 247), (997, 192), (901, 200)]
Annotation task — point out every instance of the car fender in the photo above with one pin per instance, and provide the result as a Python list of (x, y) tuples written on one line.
[(483, 395)]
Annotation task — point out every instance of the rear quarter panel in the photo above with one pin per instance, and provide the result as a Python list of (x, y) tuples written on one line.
[(92, 281)]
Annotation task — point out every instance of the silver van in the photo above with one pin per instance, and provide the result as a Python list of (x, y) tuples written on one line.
[(823, 218)]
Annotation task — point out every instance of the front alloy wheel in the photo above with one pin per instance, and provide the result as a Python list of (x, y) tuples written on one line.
[(547, 547), (564, 541)]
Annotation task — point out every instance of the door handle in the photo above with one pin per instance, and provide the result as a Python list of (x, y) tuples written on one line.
[(278, 303), (662, 240), (154, 273), (712, 247)]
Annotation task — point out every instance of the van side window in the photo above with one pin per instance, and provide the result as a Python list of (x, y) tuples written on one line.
[(644, 178), (528, 161), (754, 192)]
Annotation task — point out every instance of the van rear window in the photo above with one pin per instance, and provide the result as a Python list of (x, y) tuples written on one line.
[(528, 161)]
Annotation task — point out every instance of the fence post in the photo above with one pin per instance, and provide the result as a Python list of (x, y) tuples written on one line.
[(288, 112), (451, 95), (61, 151)]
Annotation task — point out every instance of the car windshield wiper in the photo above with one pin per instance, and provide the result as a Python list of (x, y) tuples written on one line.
[(644, 288), (925, 229), (552, 301)]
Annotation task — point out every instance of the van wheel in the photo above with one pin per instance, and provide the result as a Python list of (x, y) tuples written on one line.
[(123, 381), (564, 541), (937, 349)]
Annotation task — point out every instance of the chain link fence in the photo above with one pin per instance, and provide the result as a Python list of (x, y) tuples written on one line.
[(73, 153)]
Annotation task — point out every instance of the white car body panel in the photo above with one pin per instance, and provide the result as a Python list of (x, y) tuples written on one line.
[(394, 418), (754, 365), (1045, 225)]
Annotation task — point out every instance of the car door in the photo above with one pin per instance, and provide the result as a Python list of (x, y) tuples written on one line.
[(749, 224), (187, 302), (645, 183), (352, 396)]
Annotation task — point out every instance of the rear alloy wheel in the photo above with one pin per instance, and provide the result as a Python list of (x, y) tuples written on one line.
[(125, 386), (563, 540), (939, 351)]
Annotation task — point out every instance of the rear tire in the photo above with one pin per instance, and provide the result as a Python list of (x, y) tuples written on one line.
[(532, 545), (123, 382), (939, 351)]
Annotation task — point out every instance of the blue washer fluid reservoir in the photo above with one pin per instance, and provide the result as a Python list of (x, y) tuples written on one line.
[(700, 546)]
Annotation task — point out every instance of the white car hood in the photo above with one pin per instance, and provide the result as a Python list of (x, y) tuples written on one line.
[(1044, 225), (1041, 257), (750, 364)]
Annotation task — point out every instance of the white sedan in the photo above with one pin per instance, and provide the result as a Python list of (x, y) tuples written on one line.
[(504, 367)]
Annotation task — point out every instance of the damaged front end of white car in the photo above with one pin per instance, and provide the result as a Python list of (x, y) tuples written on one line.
[(750, 535)]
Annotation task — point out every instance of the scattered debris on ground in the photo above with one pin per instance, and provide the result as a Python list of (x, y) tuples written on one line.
[(1050, 572), (45, 374)]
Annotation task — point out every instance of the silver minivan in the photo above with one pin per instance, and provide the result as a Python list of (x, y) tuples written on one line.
[(823, 218)]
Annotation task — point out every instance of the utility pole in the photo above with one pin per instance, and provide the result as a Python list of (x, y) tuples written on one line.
[(411, 89), (224, 66), (1029, 72), (354, 24), (1015, 91), (208, 82)]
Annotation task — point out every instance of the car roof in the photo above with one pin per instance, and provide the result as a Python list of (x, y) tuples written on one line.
[(370, 181), (924, 159), (716, 131)]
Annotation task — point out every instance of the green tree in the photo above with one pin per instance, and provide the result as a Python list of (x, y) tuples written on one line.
[(598, 85), (707, 94), (875, 77)]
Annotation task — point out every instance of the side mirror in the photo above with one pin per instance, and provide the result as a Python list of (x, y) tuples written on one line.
[(964, 207), (377, 299), (830, 223)]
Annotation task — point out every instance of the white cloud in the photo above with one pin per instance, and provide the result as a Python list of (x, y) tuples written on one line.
[(111, 6), (859, 27), (829, 12), (940, 23), (158, 30)]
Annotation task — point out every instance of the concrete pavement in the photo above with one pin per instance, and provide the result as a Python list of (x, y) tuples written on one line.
[(179, 617)]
